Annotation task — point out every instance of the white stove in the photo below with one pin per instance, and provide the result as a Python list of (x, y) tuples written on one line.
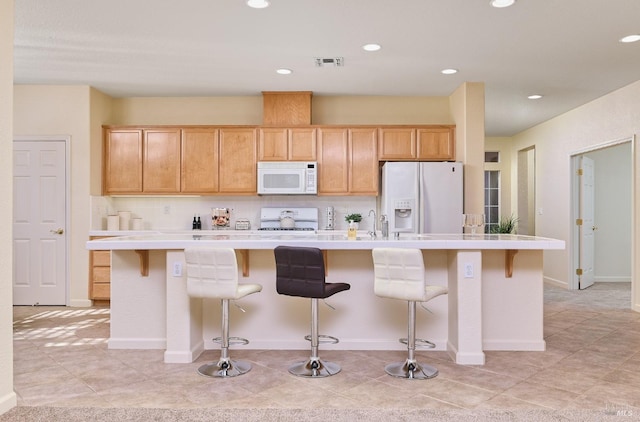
[(306, 219)]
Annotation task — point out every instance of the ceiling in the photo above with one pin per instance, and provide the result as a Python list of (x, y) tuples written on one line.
[(565, 50)]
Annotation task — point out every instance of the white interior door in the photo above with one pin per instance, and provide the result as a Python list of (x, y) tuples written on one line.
[(39, 218), (586, 229)]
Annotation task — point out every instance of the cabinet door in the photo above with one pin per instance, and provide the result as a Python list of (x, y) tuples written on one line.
[(333, 161), (199, 169), (397, 144), (161, 164), (363, 161), (273, 144), (302, 144), (238, 155), (436, 144), (122, 169)]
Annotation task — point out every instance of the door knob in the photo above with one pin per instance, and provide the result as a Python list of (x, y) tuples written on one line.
[(58, 231)]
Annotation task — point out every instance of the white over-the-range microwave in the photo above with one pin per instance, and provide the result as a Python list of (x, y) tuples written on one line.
[(287, 178)]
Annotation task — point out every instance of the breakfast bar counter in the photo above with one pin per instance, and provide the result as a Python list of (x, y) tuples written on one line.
[(495, 299)]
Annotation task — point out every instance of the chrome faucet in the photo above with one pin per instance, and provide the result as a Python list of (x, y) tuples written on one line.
[(375, 224)]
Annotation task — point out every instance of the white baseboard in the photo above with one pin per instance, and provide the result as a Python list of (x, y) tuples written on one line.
[(465, 358), (133, 343), (556, 282), (344, 344), (80, 303), (184, 356), (612, 279), (8, 402), (533, 346)]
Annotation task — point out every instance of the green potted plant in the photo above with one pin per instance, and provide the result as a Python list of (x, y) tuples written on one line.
[(506, 225), (355, 217)]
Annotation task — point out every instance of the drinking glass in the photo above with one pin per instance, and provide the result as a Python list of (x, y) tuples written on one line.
[(473, 221)]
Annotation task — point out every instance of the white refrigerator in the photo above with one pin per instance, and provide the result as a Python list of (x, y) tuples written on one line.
[(422, 197)]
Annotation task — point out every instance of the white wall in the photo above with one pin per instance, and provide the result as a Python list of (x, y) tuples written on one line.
[(7, 395), (614, 116)]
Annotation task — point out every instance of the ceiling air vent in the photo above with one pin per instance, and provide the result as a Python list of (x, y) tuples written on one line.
[(329, 61)]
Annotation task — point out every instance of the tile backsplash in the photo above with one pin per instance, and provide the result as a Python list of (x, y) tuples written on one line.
[(176, 212)]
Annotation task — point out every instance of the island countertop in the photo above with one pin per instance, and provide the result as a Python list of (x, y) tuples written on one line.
[(322, 240)]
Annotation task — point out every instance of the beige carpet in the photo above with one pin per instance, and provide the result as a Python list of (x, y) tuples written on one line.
[(70, 414)]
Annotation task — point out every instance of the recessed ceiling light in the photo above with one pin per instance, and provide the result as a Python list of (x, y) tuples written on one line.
[(284, 71), (630, 38), (449, 71), (258, 4), (502, 3), (534, 97), (371, 47)]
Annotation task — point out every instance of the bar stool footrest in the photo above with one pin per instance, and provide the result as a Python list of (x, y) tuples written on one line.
[(324, 339), (421, 343), (233, 341)]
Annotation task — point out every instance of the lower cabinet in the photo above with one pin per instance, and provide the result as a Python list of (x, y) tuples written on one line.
[(99, 274)]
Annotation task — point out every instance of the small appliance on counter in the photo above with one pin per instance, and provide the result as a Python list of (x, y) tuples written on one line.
[(220, 218), (289, 219), (330, 218), (243, 224)]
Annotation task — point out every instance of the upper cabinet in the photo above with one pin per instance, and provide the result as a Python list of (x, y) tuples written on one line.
[(122, 165), (427, 143), (207, 160), (161, 161), (199, 161), (347, 161), (287, 144), (238, 174), (221, 160)]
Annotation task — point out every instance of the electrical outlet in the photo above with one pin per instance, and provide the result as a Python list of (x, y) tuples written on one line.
[(468, 270), (177, 269), (167, 209)]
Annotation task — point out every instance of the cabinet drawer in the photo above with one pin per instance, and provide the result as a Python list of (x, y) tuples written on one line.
[(101, 258), (101, 291), (101, 275)]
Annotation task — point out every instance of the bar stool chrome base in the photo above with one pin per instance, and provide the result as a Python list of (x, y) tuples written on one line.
[(314, 368), (411, 369), (225, 368)]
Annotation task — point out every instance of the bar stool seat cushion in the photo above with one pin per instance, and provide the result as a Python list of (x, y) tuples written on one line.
[(300, 272), (213, 273), (399, 274)]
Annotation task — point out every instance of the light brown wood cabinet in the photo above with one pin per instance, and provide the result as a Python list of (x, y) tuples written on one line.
[(174, 161), (287, 144), (199, 165), (436, 144), (347, 161), (363, 161), (99, 274), (122, 168), (161, 161), (237, 164), (433, 143)]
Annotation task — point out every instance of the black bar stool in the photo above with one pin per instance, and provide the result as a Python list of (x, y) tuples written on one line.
[(399, 274), (213, 273), (300, 272)]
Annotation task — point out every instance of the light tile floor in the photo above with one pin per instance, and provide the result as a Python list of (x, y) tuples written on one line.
[(592, 362)]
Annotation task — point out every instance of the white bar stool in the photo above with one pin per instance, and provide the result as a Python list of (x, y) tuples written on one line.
[(213, 273), (399, 274)]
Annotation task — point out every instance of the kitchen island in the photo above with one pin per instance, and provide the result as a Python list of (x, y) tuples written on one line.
[(495, 299)]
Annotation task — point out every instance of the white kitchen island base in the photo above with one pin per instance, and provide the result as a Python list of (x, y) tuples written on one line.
[(484, 310)]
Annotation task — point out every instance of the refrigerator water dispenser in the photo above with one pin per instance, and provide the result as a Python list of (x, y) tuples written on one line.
[(403, 216)]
